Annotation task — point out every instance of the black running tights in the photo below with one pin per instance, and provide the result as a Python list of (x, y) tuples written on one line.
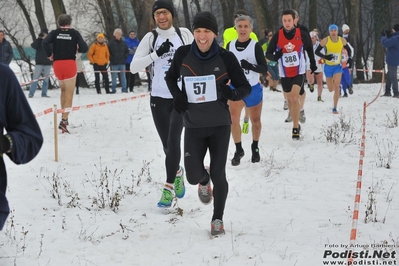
[(169, 125), (197, 141)]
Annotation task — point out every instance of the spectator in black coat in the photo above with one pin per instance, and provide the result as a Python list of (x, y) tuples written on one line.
[(42, 67), (118, 52), (6, 53)]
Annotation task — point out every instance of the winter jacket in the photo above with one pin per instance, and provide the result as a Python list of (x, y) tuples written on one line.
[(66, 43), (219, 65), (118, 52), (41, 57), (17, 119), (391, 44), (6, 53), (98, 54), (132, 45)]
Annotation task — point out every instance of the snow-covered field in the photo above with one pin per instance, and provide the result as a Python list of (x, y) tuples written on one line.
[(98, 204)]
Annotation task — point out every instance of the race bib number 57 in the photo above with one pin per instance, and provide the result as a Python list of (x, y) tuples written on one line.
[(201, 89)]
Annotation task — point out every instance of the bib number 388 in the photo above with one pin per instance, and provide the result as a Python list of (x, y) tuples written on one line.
[(291, 59)]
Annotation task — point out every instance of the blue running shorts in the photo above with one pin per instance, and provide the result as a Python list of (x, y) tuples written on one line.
[(329, 71)]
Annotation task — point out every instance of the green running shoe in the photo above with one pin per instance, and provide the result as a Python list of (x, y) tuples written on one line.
[(180, 189), (311, 88), (166, 199)]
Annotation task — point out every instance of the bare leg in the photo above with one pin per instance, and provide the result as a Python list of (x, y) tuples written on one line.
[(309, 77), (294, 105), (67, 88), (319, 79), (255, 114), (302, 99), (235, 112), (336, 81)]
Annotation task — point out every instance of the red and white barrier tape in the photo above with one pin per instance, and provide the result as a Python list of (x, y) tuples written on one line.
[(355, 216), (33, 80), (368, 70), (88, 106), (83, 71)]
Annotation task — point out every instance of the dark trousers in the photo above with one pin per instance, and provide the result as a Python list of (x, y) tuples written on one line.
[(169, 125), (104, 73), (130, 78), (197, 141), (392, 80), (4, 207)]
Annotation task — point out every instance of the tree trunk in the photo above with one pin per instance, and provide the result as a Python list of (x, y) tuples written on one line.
[(275, 14), (143, 12), (359, 46), (28, 20), (352, 21), (40, 14), (260, 14), (381, 9), (186, 14), (107, 15), (197, 4), (227, 13), (241, 5), (312, 14), (58, 8), (295, 5), (121, 18)]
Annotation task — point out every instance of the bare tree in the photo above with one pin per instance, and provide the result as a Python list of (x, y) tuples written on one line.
[(58, 8), (312, 14), (228, 8), (9, 22), (186, 14), (352, 17), (27, 18), (240, 4), (40, 14), (143, 12), (122, 20), (262, 12), (108, 16), (197, 5), (381, 9)]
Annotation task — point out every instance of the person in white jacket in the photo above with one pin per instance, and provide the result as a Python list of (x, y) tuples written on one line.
[(318, 73), (168, 122)]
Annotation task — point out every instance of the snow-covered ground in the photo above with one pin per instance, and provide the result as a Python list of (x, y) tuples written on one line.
[(98, 204)]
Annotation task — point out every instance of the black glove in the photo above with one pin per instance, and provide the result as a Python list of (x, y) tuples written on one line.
[(225, 90), (277, 55), (383, 33), (329, 57), (247, 65), (4, 144), (313, 68), (180, 102), (388, 33), (164, 48), (349, 62)]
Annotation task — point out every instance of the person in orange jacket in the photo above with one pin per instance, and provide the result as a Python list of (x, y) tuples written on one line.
[(98, 56)]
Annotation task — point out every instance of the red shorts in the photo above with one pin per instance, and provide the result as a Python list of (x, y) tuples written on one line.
[(65, 69)]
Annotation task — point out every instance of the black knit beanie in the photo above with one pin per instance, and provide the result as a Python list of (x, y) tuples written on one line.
[(163, 4), (206, 20), (396, 27)]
